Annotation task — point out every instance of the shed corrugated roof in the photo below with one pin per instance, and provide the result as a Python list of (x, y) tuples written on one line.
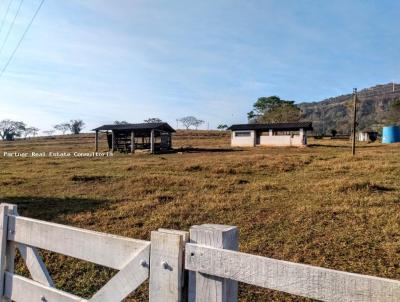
[(140, 126), (275, 126)]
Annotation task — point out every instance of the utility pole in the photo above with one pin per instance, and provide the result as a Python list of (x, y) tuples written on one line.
[(353, 142)]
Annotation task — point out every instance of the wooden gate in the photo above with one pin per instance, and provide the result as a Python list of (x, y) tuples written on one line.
[(201, 266)]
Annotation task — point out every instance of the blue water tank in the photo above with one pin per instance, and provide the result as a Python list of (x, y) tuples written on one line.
[(391, 134)]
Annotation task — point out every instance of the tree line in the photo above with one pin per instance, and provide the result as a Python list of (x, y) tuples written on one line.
[(9, 130)]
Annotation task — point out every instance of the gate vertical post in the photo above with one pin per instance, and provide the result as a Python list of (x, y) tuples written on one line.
[(10, 246), (167, 277), (206, 288), (3, 246)]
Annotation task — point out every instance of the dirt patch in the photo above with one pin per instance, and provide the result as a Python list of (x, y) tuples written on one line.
[(90, 178), (194, 168), (165, 198)]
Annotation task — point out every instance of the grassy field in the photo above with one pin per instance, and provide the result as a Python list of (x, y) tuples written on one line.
[(316, 205)]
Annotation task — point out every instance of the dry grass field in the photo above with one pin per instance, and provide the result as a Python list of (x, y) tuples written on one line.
[(316, 205)]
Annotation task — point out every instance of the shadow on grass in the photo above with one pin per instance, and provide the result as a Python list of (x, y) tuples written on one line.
[(53, 209)]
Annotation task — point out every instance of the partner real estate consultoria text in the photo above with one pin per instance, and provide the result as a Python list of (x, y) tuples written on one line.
[(55, 154)]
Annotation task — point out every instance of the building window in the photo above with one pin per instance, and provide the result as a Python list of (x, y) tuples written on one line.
[(242, 133)]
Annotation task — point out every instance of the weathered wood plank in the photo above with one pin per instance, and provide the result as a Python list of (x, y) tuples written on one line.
[(35, 264), (207, 288), (294, 278), (3, 245), (21, 289), (126, 280), (31, 256), (167, 267), (104, 249)]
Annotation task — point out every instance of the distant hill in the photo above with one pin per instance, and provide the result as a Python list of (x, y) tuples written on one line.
[(335, 113)]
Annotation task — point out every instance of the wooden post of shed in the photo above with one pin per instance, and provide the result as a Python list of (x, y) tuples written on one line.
[(112, 141), (132, 142), (96, 141), (206, 288), (152, 140)]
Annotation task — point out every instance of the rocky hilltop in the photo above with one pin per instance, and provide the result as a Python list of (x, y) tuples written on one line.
[(336, 113)]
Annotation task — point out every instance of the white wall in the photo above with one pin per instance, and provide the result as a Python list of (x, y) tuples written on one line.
[(363, 136), (282, 140), (243, 141), (268, 140)]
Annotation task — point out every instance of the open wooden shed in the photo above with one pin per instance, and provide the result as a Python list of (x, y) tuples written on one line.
[(157, 137)]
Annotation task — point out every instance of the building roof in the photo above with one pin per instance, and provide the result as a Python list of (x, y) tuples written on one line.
[(275, 126), (139, 127)]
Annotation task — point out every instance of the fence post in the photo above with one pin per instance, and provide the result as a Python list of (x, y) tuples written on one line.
[(167, 281), (3, 246), (10, 246), (206, 288)]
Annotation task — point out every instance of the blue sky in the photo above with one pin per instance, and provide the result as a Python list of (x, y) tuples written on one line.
[(102, 60)]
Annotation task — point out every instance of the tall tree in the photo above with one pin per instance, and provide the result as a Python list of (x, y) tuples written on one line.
[(273, 110), (30, 131), (63, 128), (189, 121), (198, 123), (76, 126), (34, 131), (10, 129)]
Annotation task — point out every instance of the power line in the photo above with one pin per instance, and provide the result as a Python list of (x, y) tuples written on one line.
[(5, 15), (22, 38), (11, 26)]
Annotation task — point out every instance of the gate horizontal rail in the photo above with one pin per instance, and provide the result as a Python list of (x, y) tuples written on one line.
[(203, 265)]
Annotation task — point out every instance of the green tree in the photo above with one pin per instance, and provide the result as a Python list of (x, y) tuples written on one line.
[(273, 110), (11, 129), (76, 126)]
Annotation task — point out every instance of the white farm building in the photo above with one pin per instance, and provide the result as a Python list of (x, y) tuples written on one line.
[(279, 134)]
